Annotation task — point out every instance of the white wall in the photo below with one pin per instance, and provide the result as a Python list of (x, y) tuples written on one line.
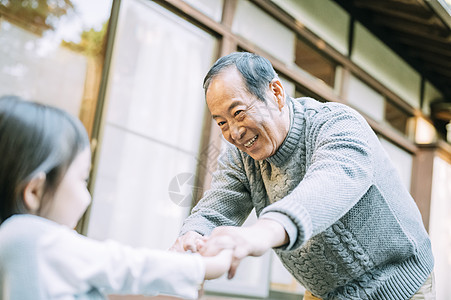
[(440, 226), (267, 33), (323, 17), (384, 65)]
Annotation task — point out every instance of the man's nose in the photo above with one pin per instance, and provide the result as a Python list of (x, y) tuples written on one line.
[(237, 132)]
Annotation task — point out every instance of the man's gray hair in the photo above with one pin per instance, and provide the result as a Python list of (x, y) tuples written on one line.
[(256, 70)]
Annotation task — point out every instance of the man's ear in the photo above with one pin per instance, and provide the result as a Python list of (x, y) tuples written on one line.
[(33, 192), (278, 92)]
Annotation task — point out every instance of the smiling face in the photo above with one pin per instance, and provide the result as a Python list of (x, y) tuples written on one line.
[(72, 197), (253, 126)]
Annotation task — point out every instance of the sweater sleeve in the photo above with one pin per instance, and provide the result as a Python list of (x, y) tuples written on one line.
[(227, 202), (72, 263), (339, 174)]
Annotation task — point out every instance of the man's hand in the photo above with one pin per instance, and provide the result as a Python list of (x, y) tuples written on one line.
[(254, 240), (187, 242)]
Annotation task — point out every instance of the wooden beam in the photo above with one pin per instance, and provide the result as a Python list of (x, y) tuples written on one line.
[(383, 33), (395, 9), (431, 32), (420, 43), (440, 70), (228, 12), (438, 60), (194, 16), (294, 25), (228, 42), (300, 29), (421, 181)]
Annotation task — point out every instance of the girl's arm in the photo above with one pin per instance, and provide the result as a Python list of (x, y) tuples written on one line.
[(72, 263)]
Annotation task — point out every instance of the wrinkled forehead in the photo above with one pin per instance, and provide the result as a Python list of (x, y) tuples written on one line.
[(229, 76), (229, 79), (226, 87)]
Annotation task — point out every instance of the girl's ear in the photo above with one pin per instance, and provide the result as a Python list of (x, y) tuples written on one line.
[(33, 192)]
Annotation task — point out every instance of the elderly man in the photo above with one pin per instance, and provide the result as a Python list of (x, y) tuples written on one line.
[(327, 197)]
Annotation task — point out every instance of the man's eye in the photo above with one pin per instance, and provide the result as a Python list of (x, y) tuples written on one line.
[(221, 123), (237, 112)]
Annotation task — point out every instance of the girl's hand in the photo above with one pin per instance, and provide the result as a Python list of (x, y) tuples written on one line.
[(218, 265)]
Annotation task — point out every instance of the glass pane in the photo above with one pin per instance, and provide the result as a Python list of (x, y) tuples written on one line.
[(316, 64), (304, 92), (153, 124), (251, 278), (131, 201), (52, 52), (401, 159), (396, 117), (267, 33), (281, 278), (211, 8)]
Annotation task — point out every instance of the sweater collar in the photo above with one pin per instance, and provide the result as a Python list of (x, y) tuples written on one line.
[(291, 141)]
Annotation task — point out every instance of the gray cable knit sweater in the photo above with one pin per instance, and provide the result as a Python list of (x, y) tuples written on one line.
[(355, 232)]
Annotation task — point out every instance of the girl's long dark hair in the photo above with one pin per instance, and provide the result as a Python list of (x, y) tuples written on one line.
[(34, 139)]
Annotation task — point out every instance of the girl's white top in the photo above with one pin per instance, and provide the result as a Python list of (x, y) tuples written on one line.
[(40, 259)]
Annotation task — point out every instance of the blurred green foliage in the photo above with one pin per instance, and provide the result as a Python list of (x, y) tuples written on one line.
[(91, 43), (43, 14)]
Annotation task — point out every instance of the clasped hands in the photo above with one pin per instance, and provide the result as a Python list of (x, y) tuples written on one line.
[(234, 242)]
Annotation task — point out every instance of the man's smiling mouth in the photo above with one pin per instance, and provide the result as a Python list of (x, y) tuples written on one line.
[(251, 142)]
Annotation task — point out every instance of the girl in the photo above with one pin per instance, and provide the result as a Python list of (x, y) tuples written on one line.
[(44, 166)]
